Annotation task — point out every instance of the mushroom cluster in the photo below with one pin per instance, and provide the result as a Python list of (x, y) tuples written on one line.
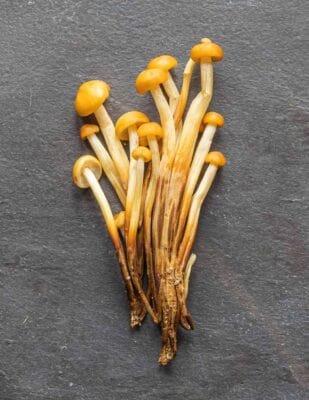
[(160, 183)]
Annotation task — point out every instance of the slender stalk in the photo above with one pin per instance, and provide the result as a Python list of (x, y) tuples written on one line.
[(182, 101), (108, 167), (114, 145), (113, 232), (133, 143), (194, 214), (131, 239), (195, 170)]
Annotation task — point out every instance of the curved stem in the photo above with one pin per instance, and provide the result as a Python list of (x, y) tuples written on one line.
[(113, 232)]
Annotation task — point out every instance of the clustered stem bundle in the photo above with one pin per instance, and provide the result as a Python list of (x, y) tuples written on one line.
[(160, 185)]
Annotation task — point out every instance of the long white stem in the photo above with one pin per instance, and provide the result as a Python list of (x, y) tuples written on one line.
[(108, 166), (114, 145), (167, 122)]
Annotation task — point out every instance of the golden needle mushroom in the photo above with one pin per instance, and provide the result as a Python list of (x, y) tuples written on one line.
[(142, 155), (89, 99), (87, 171), (88, 132), (150, 80), (216, 160), (167, 62), (212, 121), (126, 129)]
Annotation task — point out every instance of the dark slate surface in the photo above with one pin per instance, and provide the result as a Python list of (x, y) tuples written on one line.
[(64, 321)]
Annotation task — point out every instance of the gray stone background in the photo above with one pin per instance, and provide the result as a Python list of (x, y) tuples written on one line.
[(64, 320)]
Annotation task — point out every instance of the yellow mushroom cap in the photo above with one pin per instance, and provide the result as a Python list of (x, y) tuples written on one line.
[(88, 130), (206, 50), (143, 141), (80, 165), (142, 152), (150, 129), (119, 219), (165, 62), (90, 96), (214, 118), (216, 158), (128, 120), (150, 79)]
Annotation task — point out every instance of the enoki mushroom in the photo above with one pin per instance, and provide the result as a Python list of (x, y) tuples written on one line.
[(161, 184)]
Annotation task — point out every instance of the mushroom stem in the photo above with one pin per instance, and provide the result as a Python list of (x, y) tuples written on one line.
[(171, 91), (194, 214), (133, 143), (108, 166), (114, 145), (192, 123), (195, 170), (149, 201), (131, 239), (187, 274), (182, 101), (113, 232), (167, 122)]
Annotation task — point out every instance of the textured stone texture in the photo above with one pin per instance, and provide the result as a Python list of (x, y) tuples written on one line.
[(64, 326)]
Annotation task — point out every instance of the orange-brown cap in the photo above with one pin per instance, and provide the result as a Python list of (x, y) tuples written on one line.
[(150, 129), (150, 79), (119, 219), (216, 158), (80, 165), (206, 50), (128, 120), (142, 152), (165, 62), (214, 118), (88, 130), (143, 141), (90, 96)]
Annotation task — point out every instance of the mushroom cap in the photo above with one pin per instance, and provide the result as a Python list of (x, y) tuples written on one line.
[(143, 141), (214, 118), (165, 62), (127, 120), (142, 152), (150, 129), (90, 96), (80, 165), (88, 130), (150, 79), (216, 158), (119, 219), (206, 50), (211, 118)]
